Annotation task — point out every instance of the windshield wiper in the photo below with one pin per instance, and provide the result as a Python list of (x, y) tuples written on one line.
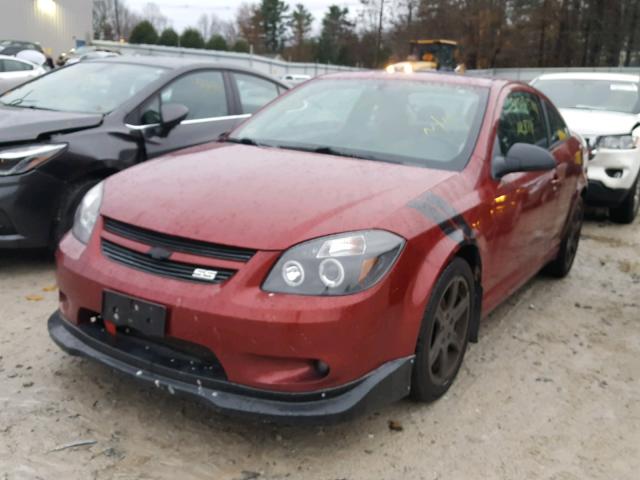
[(18, 101), (245, 141), (327, 150)]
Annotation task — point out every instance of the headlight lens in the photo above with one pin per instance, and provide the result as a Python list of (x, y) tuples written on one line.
[(335, 265), (617, 142), (22, 159), (87, 213)]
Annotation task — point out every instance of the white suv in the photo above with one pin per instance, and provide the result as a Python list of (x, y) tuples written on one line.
[(604, 108)]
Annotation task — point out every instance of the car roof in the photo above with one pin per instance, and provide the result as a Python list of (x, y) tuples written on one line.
[(443, 77), (605, 76), (11, 57), (177, 63), (172, 63)]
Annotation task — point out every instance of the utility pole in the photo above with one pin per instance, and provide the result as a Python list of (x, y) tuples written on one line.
[(115, 6), (379, 37)]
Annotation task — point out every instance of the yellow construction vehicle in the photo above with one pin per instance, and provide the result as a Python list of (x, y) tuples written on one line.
[(427, 55)]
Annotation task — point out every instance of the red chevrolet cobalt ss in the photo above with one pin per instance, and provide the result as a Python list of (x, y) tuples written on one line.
[(334, 253)]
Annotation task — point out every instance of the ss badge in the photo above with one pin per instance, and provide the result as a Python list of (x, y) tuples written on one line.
[(202, 274)]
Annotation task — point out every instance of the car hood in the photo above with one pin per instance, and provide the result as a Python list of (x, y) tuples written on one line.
[(590, 123), (262, 198), (25, 124)]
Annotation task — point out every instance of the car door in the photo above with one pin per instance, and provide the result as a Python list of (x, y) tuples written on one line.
[(521, 205), (254, 92), (569, 163), (206, 93)]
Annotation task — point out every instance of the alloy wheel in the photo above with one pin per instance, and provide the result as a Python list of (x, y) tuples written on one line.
[(451, 326)]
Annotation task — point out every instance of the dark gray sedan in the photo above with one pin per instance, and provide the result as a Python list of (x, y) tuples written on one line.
[(64, 132)]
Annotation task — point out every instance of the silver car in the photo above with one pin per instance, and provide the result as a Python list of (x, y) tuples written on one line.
[(14, 71)]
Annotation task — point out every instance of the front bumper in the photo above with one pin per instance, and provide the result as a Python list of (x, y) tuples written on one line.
[(28, 204), (615, 169), (388, 383), (262, 340), (598, 195)]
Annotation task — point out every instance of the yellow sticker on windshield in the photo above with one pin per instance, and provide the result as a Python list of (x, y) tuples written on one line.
[(437, 124)]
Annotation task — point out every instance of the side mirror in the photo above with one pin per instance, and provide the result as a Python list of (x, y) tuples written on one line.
[(523, 157), (172, 114)]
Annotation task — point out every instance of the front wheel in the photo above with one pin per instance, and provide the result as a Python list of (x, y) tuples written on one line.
[(626, 212), (444, 333)]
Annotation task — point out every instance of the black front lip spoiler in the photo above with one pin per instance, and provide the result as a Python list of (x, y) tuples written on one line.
[(388, 383)]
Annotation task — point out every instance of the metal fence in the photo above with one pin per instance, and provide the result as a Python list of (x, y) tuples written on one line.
[(279, 68), (528, 74), (274, 67)]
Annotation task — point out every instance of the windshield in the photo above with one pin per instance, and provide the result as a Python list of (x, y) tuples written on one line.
[(617, 96), (92, 87), (441, 53), (422, 123)]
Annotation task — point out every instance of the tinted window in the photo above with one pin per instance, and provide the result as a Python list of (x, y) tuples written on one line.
[(91, 87), (203, 93), (254, 92), (416, 122), (521, 121), (14, 66), (559, 130)]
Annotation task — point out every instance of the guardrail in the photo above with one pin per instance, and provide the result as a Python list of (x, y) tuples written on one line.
[(274, 67), (528, 74)]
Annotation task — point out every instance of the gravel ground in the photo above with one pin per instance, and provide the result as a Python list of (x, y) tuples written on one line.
[(551, 391)]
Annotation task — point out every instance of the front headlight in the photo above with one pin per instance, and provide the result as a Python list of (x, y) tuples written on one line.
[(22, 159), (87, 213), (617, 142), (335, 265)]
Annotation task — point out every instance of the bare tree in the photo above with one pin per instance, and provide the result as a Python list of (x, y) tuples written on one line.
[(153, 14)]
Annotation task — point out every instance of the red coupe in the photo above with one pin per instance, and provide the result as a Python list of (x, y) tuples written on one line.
[(333, 253)]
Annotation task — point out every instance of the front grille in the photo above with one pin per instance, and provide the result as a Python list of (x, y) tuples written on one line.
[(178, 244), (166, 268)]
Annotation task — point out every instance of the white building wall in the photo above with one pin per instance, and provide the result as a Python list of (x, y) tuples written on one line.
[(55, 24)]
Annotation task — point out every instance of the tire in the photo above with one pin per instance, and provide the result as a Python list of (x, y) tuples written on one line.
[(68, 206), (561, 265), (444, 333), (627, 211)]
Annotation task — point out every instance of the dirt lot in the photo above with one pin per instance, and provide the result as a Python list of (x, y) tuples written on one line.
[(552, 391)]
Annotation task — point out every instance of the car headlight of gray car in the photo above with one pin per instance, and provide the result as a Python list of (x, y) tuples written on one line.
[(618, 142), (87, 213), (27, 157), (335, 265)]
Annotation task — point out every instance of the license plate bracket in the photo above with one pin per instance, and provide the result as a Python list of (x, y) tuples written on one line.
[(144, 317)]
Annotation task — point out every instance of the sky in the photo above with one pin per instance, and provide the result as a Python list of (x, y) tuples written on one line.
[(185, 13)]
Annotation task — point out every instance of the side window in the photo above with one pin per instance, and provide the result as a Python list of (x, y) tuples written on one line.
[(14, 66), (559, 130), (254, 92), (521, 121), (203, 93)]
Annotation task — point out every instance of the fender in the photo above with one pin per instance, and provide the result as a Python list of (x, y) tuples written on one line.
[(457, 239)]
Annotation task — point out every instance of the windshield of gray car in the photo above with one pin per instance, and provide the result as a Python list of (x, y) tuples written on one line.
[(432, 124), (591, 94), (91, 87)]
